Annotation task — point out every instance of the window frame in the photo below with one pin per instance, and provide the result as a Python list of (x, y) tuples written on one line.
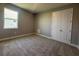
[(10, 19)]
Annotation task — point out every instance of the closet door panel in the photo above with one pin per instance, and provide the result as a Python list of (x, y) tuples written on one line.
[(66, 24), (62, 25), (56, 25), (64, 28), (69, 15)]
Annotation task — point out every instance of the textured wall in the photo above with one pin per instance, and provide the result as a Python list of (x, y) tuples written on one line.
[(25, 22), (44, 23)]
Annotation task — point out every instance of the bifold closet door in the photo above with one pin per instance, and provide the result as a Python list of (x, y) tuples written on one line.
[(56, 25), (62, 25)]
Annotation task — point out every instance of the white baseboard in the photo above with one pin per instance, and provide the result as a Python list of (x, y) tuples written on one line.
[(43, 36), (16, 36), (57, 40)]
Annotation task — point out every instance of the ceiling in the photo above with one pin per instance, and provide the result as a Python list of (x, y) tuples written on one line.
[(39, 7)]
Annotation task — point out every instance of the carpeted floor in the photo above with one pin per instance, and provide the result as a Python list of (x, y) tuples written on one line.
[(36, 46)]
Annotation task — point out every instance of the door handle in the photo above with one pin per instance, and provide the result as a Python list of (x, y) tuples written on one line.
[(61, 30)]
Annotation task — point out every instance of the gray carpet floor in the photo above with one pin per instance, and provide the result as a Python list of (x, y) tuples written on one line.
[(36, 46)]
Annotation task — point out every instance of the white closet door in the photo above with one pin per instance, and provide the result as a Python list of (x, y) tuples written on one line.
[(56, 25), (62, 24), (69, 15)]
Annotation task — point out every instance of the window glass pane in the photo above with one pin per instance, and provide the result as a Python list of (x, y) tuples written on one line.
[(10, 23), (10, 18), (10, 14)]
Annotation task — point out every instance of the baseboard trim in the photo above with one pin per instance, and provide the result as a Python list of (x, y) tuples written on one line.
[(43, 36), (16, 36), (57, 40)]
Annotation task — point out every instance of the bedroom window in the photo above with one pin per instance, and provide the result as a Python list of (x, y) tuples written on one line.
[(10, 19)]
